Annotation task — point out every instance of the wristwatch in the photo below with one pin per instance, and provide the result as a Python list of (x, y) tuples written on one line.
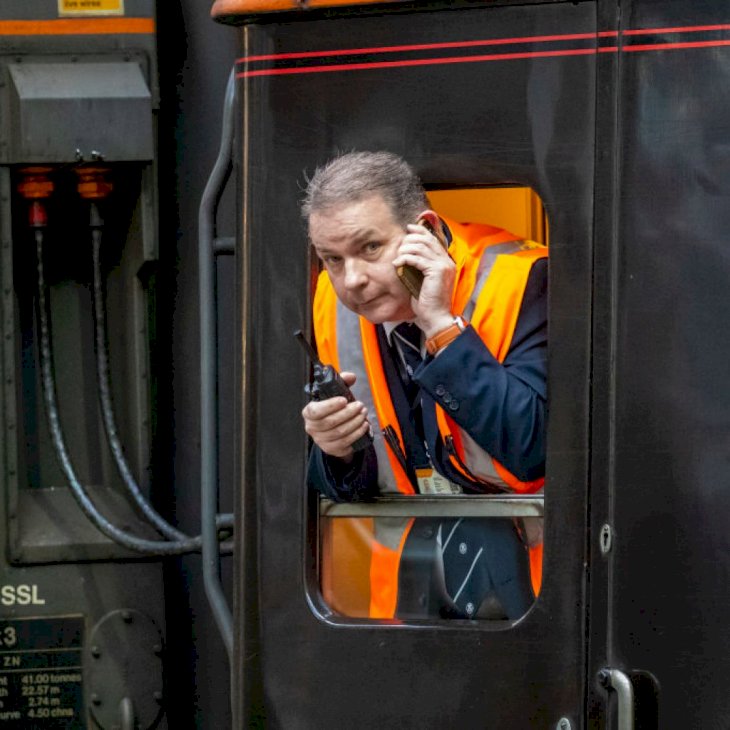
[(445, 336)]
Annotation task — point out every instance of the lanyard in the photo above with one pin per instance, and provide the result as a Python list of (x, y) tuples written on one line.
[(410, 419)]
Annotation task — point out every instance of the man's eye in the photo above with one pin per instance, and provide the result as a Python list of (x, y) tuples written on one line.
[(371, 247), (332, 260)]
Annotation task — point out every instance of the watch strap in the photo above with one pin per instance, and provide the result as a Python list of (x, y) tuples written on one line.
[(445, 336)]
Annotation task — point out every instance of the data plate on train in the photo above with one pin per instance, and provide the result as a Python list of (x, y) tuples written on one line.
[(40, 673)]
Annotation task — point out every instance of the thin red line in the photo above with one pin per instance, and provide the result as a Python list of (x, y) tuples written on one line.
[(413, 62), (679, 29), (426, 46), (481, 58), (670, 46), (489, 42)]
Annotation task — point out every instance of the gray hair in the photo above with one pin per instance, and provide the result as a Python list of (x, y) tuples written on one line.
[(355, 176)]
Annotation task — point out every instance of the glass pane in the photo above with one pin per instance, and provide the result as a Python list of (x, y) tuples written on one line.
[(431, 567)]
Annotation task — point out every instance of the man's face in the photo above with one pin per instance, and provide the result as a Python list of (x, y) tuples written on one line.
[(357, 243)]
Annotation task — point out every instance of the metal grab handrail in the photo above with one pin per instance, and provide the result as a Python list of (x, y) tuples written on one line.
[(208, 365)]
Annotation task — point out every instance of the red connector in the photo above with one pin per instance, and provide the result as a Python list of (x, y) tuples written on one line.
[(93, 183), (36, 186)]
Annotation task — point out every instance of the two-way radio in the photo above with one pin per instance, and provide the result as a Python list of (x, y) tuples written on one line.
[(327, 383)]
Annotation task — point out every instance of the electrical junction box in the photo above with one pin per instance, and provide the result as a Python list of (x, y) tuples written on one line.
[(65, 112)]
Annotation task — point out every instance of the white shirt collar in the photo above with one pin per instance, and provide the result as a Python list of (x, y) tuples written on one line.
[(389, 327)]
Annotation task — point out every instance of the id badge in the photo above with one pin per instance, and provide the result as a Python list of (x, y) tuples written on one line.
[(431, 482)]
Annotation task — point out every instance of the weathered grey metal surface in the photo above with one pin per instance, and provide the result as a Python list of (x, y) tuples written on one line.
[(124, 655), (50, 81), (66, 112)]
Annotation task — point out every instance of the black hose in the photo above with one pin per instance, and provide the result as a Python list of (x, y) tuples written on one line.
[(114, 533), (107, 407)]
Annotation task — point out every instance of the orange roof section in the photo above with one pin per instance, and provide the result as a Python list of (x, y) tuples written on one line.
[(229, 8)]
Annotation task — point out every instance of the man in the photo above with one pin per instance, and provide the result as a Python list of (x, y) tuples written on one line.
[(452, 384)]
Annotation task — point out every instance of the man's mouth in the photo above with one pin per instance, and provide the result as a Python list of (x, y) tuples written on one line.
[(369, 302)]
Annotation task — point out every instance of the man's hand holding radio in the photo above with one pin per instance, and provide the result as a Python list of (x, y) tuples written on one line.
[(334, 424)]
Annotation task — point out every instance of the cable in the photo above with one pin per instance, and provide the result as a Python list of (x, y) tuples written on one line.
[(107, 407), (114, 533)]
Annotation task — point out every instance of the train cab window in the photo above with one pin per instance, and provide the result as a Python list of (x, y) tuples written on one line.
[(470, 548)]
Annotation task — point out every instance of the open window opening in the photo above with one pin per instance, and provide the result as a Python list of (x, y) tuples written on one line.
[(450, 554)]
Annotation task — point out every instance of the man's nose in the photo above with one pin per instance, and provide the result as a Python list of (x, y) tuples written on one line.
[(355, 276)]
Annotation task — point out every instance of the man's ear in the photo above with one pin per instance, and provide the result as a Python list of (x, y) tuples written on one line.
[(434, 221), (432, 218)]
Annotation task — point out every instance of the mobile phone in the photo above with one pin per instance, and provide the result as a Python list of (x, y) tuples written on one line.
[(411, 277)]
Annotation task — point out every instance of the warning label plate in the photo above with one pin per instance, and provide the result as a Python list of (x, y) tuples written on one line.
[(90, 7), (41, 673)]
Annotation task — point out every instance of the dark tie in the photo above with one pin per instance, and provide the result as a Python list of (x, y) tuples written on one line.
[(410, 346)]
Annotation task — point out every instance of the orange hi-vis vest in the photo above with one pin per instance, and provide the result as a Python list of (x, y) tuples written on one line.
[(493, 266)]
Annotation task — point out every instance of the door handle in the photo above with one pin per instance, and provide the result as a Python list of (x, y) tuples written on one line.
[(618, 681)]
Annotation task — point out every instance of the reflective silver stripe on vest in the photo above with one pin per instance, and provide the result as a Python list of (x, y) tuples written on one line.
[(480, 462), (388, 531), (477, 460), (486, 264), (351, 357)]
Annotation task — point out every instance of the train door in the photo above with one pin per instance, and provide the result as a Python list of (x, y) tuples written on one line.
[(659, 496), (474, 97)]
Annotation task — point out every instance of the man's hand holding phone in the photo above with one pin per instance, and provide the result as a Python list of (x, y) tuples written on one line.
[(424, 251)]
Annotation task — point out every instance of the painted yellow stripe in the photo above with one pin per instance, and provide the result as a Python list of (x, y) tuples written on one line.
[(85, 26)]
